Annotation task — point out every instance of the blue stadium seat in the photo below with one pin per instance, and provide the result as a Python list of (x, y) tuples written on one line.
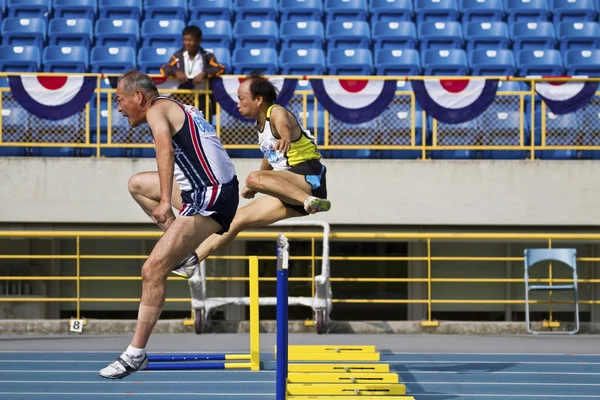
[(436, 10), (464, 134), (112, 60), (445, 62), (117, 32), (223, 56), (503, 128), (161, 9), (211, 9), (395, 123), (391, 10), (573, 11), (20, 58), (120, 9), (350, 62), (256, 10), (440, 35), (583, 62), (540, 62), (561, 130), (71, 32), (303, 62), (65, 59), (24, 31), (346, 10), (499, 62), (526, 11), (394, 35), (247, 60), (397, 62), (162, 33), (533, 36), (301, 10), (29, 8), (150, 59), (481, 10), (591, 127), (348, 35), (302, 35), (215, 33), (578, 36), (15, 128), (256, 34), (75, 9), (487, 36)]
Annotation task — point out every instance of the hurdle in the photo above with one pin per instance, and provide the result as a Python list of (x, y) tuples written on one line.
[(167, 361), (322, 381)]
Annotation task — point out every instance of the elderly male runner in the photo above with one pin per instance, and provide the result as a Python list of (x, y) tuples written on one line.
[(189, 152), (291, 173)]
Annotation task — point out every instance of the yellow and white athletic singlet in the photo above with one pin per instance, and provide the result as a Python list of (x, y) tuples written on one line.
[(301, 150)]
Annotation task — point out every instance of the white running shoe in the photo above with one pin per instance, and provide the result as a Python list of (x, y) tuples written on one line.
[(186, 268), (313, 205), (124, 366)]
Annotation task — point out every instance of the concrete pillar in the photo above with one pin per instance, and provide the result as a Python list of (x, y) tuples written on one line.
[(417, 290)]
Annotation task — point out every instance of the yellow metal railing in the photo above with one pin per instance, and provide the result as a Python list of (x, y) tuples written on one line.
[(430, 259), (402, 127)]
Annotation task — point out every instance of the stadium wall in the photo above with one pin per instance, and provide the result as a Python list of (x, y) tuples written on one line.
[(363, 192)]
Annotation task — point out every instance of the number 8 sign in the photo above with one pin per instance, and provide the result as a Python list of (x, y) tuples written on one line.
[(76, 325)]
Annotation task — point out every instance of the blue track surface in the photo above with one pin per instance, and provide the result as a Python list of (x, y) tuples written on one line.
[(71, 375)]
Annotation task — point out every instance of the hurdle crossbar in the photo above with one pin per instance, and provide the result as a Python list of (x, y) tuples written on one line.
[(186, 361)]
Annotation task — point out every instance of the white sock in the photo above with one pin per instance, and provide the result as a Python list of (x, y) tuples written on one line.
[(134, 351)]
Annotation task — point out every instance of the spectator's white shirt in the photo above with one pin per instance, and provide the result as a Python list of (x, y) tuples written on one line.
[(193, 67)]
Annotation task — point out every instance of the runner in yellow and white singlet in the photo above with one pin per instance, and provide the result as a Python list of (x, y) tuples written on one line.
[(291, 175)]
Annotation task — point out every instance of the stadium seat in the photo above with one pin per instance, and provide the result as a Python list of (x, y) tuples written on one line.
[(487, 36), (591, 127), (24, 31), (394, 35), (150, 59), (503, 128), (307, 61), (533, 36), (350, 62), (561, 130), (464, 134), (397, 62), (247, 60), (302, 35), (65, 59), (15, 128), (71, 32), (573, 11), (445, 62), (211, 9), (256, 10), (396, 126), (583, 62), (440, 35), (75, 9), (481, 10), (346, 10), (29, 9), (223, 56), (301, 10), (112, 60), (166, 10), (526, 11), (348, 35), (391, 10), (435, 10), (499, 62), (215, 33), (120, 9), (256, 34), (117, 32), (540, 62), (20, 58), (162, 33), (578, 36)]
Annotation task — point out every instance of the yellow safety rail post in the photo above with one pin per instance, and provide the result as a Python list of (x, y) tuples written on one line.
[(550, 323), (429, 322), (254, 316)]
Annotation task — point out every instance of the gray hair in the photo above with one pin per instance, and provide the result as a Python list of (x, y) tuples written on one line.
[(136, 80)]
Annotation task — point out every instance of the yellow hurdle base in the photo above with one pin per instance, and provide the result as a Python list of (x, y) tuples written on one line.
[(372, 389), (353, 378), (352, 397), (340, 368), (334, 357), (330, 349)]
